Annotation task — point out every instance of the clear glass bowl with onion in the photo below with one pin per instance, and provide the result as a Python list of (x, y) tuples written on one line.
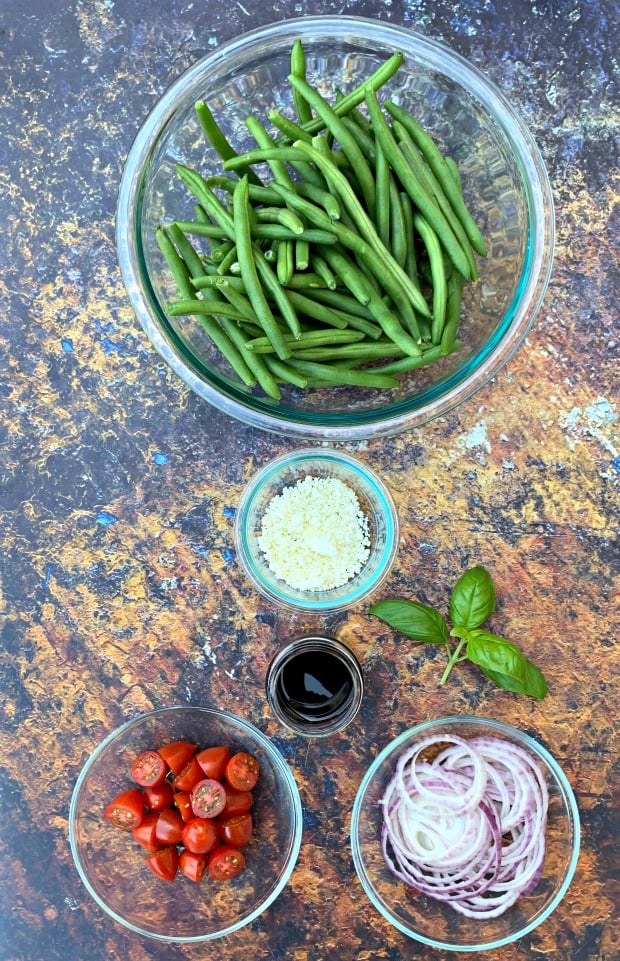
[(465, 833)]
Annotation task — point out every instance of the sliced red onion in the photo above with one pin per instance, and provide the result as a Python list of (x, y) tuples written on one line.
[(467, 827)]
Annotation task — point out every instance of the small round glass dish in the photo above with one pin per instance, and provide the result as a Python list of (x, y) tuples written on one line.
[(435, 922), (504, 181), (111, 864), (314, 549)]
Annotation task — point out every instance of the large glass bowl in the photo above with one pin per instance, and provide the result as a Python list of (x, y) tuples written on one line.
[(504, 180), (111, 864), (433, 922)]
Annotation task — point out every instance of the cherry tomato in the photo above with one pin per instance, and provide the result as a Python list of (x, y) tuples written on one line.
[(148, 769), (242, 771), (164, 863), (208, 798), (144, 833), (200, 835), (237, 801), (236, 830), (225, 862), (177, 754), (191, 774), (183, 804), (169, 827), (158, 797), (126, 810), (193, 865), (213, 761)]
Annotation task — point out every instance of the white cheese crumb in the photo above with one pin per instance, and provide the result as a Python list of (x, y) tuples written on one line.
[(314, 535)]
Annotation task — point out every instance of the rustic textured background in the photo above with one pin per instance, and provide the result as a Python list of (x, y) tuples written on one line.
[(120, 589)]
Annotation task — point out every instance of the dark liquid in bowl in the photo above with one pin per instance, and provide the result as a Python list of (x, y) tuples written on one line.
[(314, 686)]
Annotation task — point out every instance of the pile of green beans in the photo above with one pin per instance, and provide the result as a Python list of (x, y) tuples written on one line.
[(344, 263)]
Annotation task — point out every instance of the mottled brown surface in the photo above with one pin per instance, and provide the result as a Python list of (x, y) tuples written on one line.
[(120, 589)]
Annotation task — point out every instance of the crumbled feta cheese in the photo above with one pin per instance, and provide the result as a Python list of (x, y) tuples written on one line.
[(314, 535)]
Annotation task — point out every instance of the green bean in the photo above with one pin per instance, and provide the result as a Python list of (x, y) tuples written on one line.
[(353, 279), (323, 271), (382, 202), (248, 262), (438, 274), (426, 176), (411, 261), (228, 261), (453, 313), (254, 362), (175, 262), (325, 375), (307, 339), (201, 214), (420, 197), (192, 260), (283, 372), (359, 353), (272, 286), (356, 96), (290, 129), (347, 142), (405, 364), (281, 215), (320, 197), (215, 136), (398, 241), (285, 261), (208, 199), (305, 279), (438, 165), (264, 141), (309, 307), (205, 312), (456, 173), (298, 69), (257, 194), (302, 254), (259, 232), (219, 253), (338, 300)]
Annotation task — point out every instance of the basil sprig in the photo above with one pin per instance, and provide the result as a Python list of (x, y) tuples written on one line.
[(471, 604)]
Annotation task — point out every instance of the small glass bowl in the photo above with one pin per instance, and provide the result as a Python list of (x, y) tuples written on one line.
[(504, 180), (433, 922), (111, 864), (375, 501)]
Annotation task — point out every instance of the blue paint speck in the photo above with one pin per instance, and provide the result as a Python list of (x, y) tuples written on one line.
[(67, 345), (230, 511), (310, 820), (105, 518), (160, 458), (200, 549), (616, 464), (227, 554)]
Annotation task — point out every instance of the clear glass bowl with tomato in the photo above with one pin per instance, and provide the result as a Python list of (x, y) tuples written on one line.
[(185, 824)]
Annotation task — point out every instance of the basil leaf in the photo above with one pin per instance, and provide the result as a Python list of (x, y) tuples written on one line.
[(495, 653), (534, 685), (416, 620), (473, 598)]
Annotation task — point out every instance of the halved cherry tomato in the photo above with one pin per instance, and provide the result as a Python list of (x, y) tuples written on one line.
[(200, 835), (208, 798), (183, 804), (213, 761), (144, 833), (177, 754), (236, 830), (225, 862), (193, 865), (237, 801), (126, 810), (169, 827), (164, 863), (158, 797), (242, 771), (191, 774), (148, 769)]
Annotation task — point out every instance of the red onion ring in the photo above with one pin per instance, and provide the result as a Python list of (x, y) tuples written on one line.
[(467, 828)]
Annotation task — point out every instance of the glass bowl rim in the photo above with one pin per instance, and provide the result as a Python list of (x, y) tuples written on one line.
[(279, 763), (509, 731), (517, 320), (324, 603)]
